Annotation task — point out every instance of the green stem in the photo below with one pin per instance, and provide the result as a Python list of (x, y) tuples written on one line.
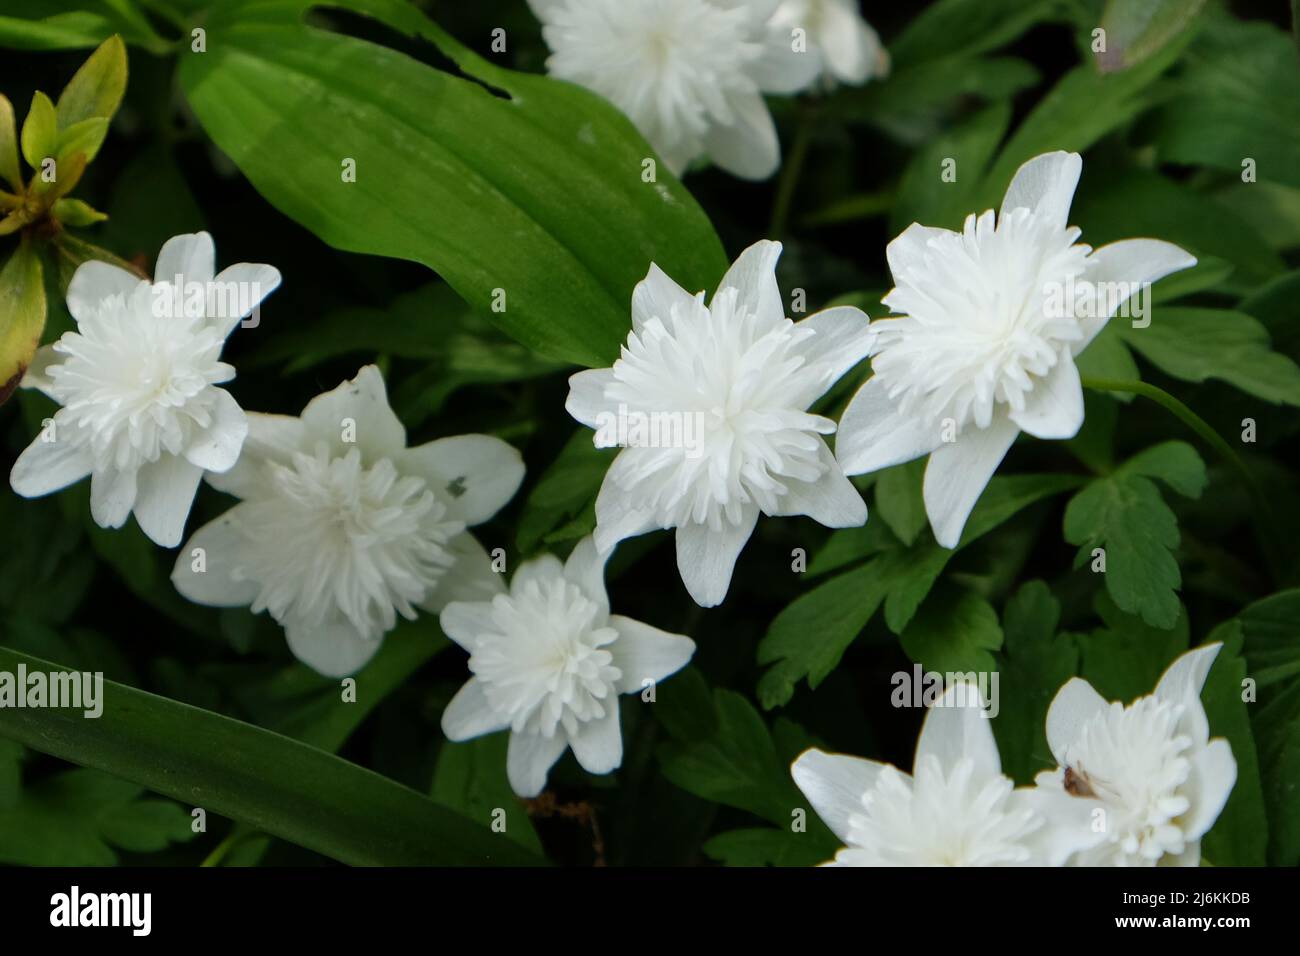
[(790, 171), (237, 836)]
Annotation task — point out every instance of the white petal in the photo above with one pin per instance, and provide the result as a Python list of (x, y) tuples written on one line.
[(831, 500), (218, 448), (747, 147), (706, 558), (645, 653), (37, 375), (221, 545), (618, 514), (542, 569), (1045, 185), (470, 578), (1134, 262), (598, 744), (47, 466), (1181, 684), (269, 438), (835, 785), (958, 726), (466, 621), (361, 403), (843, 339), (655, 297), (95, 281), (474, 475), (1073, 706), (753, 276), (1069, 823), (587, 401), (529, 759), (1054, 409), (907, 251), (112, 494), (164, 495), (1214, 772), (958, 472), (334, 649), (850, 46), (237, 291), (782, 68), (192, 257), (585, 567), (469, 714), (542, 9), (873, 435)]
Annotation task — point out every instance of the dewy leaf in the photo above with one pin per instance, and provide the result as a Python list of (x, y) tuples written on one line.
[(1199, 344), (954, 632), (1135, 31), (1124, 514), (40, 131), (10, 171), (285, 788), (22, 315), (395, 158), (96, 90)]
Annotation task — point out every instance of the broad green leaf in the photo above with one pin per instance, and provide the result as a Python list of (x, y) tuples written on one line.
[(1135, 31), (1274, 305), (10, 171), (96, 90), (1124, 659), (565, 491), (22, 315), (1034, 662), (470, 778), (766, 846), (898, 500), (968, 26), (555, 243), (84, 137), (1106, 357), (953, 632), (1199, 344), (1276, 723), (271, 782), (1125, 514), (74, 24), (78, 817), (1272, 631), (40, 137)]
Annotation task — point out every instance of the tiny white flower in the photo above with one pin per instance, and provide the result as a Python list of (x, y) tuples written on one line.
[(986, 338), (549, 661), (850, 50), (744, 375), (137, 381), (690, 74), (1151, 777), (341, 527), (955, 809)]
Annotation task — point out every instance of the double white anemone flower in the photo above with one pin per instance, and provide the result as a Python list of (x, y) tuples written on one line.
[(549, 661), (137, 381), (341, 527), (718, 397), (850, 50), (955, 809), (690, 74), (1153, 780), (991, 319)]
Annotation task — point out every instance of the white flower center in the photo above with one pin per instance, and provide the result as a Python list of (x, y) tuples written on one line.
[(671, 65), (334, 537), (1135, 762), (544, 664), (746, 386), (137, 384), (978, 323), (939, 819)]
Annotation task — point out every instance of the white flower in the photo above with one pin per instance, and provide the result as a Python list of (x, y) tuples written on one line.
[(690, 74), (341, 527), (1150, 767), (741, 376), (142, 414), (991, 321), (549, 662), (956, 809), (849, 48)]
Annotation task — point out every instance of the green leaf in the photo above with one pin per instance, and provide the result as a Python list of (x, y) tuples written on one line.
[(22, 315), (40, 137), (96, 90), (765, 846), (565, 491), (954, 631), (85, 137), (968, 26), (898, 500), (10, 171), (1124, 659), (74, 212), (1199, 344), (1135, 31), (1125, 514), (276, 784), (77, 818), (1035, 661), (50, 25), (1272, 634), (470, 778), (438, 173)]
